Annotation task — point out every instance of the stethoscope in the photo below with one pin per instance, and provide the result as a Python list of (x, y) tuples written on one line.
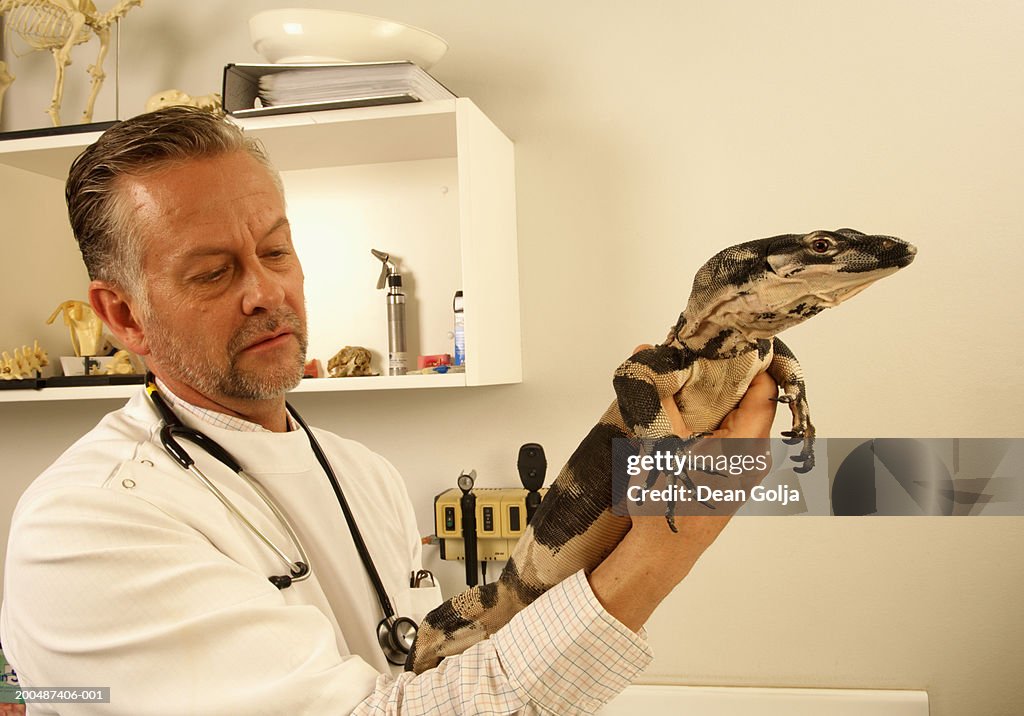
[(394, 633)]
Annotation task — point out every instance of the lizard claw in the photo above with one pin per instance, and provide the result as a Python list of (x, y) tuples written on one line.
[(806, 458), (792, 437), (806, 467), (783, 399)]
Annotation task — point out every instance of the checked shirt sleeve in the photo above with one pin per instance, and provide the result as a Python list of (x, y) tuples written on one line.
[(564, 654)]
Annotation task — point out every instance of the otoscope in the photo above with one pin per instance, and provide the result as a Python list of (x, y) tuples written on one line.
[(532, 465), (467, 503)]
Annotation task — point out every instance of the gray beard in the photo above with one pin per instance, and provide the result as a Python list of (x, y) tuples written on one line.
[(270, 382)]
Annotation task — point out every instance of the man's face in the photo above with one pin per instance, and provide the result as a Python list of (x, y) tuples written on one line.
[(226, 309)]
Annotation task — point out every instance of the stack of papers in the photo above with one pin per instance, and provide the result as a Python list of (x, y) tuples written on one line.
[(257, 90), (341, 83)]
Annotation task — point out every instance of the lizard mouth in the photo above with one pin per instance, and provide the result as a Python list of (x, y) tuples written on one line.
[(908, 257)]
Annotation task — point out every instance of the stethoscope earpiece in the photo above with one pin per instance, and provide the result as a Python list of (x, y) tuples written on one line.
[(283, 581), (395, 634)]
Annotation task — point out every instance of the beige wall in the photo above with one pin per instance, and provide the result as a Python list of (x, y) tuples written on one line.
[(648, 135)]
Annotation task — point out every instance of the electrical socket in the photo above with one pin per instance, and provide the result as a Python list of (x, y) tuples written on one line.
[(500, 520)]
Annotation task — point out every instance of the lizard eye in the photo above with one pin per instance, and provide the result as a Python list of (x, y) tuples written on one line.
[(820, 246)]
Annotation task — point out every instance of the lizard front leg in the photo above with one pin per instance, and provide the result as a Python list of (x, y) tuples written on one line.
[(640, 385), (786, 371)]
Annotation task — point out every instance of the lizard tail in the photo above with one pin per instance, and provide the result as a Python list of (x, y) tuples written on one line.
[(459, 623), (574, 528)]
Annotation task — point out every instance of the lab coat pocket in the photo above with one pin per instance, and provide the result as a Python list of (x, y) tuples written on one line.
[(416, 602)]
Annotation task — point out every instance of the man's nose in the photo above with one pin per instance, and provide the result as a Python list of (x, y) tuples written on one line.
[(262, 289)]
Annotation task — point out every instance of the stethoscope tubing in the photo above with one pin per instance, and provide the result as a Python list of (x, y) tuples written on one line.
[(173, 429), (391, 627), (299, 569), (357, 537)]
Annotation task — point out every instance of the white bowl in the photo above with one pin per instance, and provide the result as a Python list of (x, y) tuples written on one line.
[(302, 36)]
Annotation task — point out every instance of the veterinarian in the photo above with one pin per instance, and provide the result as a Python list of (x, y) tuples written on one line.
[(126, 571)]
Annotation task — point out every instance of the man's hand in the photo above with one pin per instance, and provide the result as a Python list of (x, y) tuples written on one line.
[(651, 559), (752, 418)]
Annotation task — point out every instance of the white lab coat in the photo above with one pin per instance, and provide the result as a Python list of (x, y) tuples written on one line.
[(123, 570)]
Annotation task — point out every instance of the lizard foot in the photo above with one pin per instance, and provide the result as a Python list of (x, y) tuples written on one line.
[(677, 445), (670, 509), (807, 466), (806, 460)]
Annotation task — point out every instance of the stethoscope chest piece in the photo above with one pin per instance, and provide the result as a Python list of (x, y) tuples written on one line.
[(396, 636)]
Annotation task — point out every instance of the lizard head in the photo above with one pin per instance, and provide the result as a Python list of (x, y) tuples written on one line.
[(760, 288)]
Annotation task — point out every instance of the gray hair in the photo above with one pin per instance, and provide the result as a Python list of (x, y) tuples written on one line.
[(102, 221)]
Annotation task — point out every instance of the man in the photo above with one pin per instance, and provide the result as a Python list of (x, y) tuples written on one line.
[(126, 571)]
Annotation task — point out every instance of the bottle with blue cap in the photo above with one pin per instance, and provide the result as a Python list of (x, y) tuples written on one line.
[(460, 330)]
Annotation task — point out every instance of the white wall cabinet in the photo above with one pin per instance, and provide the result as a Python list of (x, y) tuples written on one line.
[(432, 183)]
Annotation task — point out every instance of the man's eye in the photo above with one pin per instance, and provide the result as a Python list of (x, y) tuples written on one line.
[(212, 276)]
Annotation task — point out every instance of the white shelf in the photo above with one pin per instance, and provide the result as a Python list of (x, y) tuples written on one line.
[(310, 385), (432, 182), (342, 137), (96, 392), (382, 382)]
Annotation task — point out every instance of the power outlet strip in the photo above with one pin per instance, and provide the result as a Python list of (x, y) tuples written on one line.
[(500, 520)]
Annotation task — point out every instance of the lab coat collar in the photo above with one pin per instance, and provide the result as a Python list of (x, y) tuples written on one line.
[(257, 453)]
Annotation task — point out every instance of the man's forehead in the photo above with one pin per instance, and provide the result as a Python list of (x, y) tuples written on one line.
[(221, 189), (191, 185)]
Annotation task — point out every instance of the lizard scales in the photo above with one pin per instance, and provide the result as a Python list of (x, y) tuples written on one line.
[(741, 298)]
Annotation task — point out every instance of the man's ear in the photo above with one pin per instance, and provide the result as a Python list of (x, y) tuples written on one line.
[(113, 305)]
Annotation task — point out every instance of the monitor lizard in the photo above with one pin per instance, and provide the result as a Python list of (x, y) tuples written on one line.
[(741, 298)]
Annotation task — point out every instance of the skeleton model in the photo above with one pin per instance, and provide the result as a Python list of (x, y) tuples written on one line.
[(121, 365), (85, 326), (173, 98), (25, 363), (6, 78), (57, 26)]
